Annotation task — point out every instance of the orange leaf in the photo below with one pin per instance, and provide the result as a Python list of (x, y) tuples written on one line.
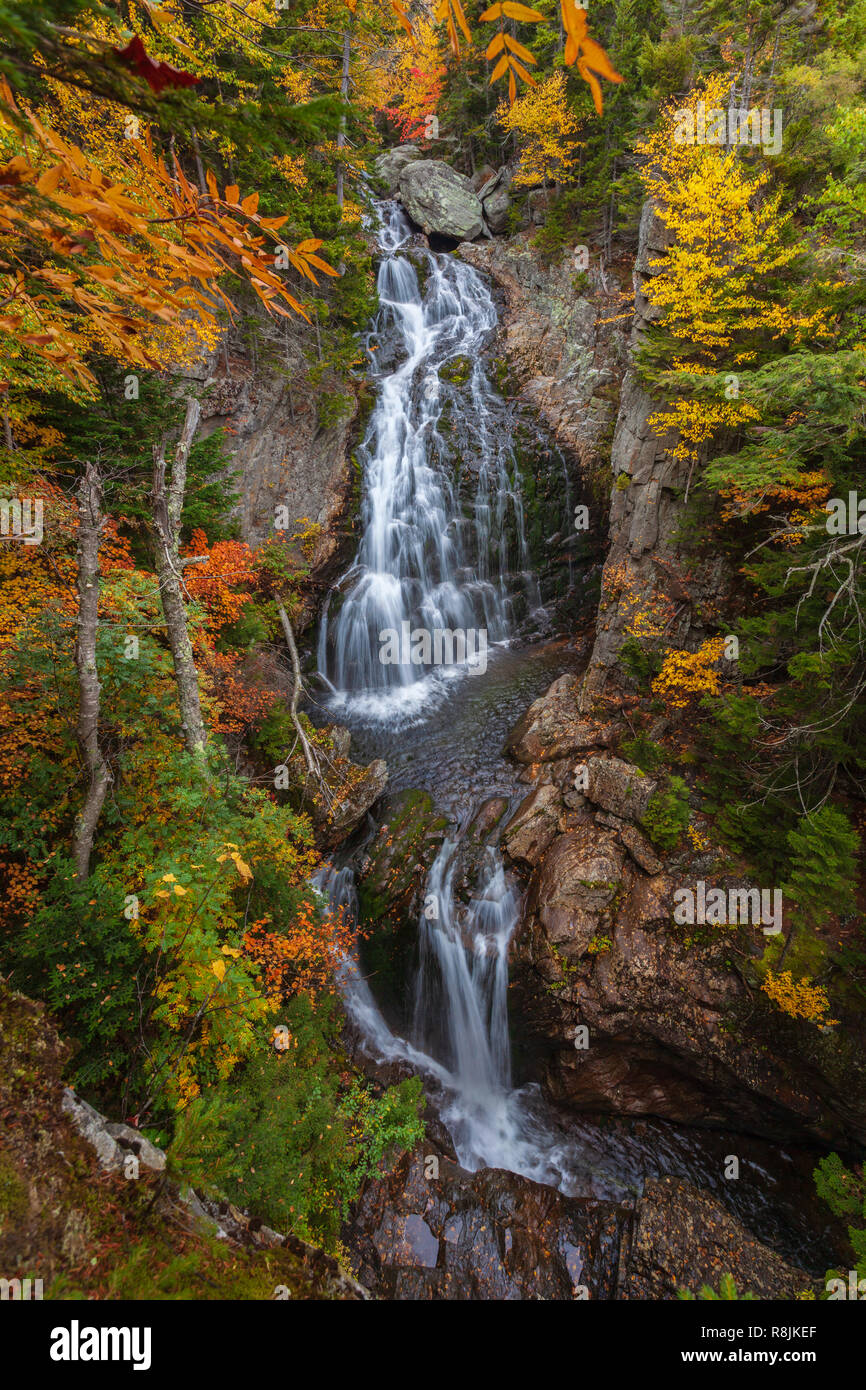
[(518, 48), (516, 11), (595, 57)]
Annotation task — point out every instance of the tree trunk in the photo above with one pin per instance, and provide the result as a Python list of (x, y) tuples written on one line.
[(91, 520), (167, 506), (344, 93)]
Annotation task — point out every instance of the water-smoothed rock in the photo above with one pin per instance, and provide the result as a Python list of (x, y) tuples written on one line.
[(431, 1231), (441, 200), (471, 860), (552, 727), (392, 876)]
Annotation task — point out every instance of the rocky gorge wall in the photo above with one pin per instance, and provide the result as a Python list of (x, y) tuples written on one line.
[(677, 1026), (288, 443)]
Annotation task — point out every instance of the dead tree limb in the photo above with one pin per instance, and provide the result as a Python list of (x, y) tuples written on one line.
[(167, 505), (297, 686), (91, 521)]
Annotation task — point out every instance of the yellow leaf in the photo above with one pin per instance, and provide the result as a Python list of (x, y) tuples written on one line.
[(242, 867), (179, 892), (219, 968)]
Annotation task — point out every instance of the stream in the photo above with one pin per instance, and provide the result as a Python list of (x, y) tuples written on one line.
[(444, 550)]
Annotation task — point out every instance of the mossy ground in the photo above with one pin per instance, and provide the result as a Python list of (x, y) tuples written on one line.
[(88, 1234)]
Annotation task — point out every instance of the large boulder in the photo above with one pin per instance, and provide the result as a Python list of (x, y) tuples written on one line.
[(441, 200), (683, 1238), (619, 787), (390, 165), (574, 890), (495, 195), (534, 825), (552, 728)]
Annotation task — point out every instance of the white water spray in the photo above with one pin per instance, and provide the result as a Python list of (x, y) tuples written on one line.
[(430, 556)]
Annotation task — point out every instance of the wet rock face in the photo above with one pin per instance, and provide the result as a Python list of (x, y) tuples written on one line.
[(430, 1230), (441, 200), (533, 825), (682, 1238), (391, 881), (471, 856), (485, 1235), (394, 871), (567, 361), (552, 727)]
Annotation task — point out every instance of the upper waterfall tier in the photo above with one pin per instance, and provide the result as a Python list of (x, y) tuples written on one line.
[(443, 555)]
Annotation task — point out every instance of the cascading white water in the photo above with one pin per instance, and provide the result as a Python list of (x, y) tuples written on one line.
[(438, 555), (429, 556), (461, 1006), (461, 1043)]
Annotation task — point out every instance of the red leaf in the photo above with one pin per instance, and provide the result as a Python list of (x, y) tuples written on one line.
[(156, 75)]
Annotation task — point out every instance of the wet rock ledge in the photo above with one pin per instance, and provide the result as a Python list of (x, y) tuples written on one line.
[(493, 1235)]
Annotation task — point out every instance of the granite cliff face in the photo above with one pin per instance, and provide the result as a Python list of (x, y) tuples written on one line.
[(567, 363), (289, 445), (625, 1010), (646, 510)]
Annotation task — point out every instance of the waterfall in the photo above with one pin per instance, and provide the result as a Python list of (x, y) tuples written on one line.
[(443, 547), (461, 989), (443, 556)]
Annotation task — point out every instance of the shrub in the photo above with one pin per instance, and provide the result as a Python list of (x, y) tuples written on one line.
[(668, 814)]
